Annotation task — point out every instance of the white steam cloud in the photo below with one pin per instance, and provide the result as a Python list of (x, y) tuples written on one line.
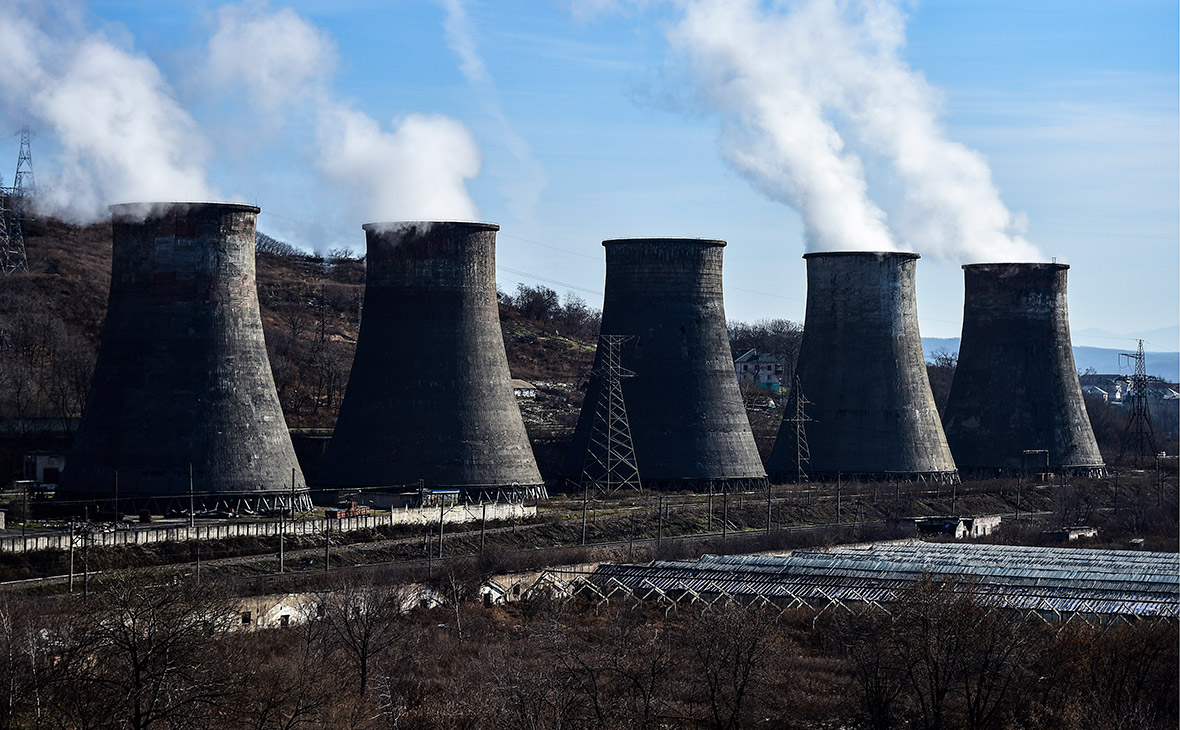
[(120, 133), (808, 90), (414, 170)]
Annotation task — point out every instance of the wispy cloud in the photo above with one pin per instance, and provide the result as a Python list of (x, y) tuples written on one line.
[(523, 185)]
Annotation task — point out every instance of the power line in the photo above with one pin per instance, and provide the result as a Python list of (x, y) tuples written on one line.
[(547, 280)]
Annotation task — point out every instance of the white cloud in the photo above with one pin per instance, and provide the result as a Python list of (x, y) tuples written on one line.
[(417, 170), (524, 183), (279, 56)]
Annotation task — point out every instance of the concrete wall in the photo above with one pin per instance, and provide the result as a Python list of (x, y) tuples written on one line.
[(1015, 386), (685, 410), (430, 395), (861, 367), (182, 375), (141, 535)]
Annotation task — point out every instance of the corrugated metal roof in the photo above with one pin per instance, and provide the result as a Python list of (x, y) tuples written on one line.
[(1060, 580)]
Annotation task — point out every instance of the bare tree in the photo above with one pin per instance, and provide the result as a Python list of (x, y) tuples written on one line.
[(161, 657), (364, 620)]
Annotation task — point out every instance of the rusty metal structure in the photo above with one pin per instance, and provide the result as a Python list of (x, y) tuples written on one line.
[(1016, 387), (861, 366), (685, 412), (183, 411), (430, 401)]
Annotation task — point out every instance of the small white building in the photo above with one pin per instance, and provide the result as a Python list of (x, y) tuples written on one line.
[(523, 388)]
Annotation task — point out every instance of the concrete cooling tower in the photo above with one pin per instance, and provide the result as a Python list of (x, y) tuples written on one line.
[(687, 422), (430, 397), (861, 367), (182, 376), (1015, 386)]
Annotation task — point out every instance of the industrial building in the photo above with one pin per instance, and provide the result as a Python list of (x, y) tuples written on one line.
[(1016, 387), (870, 412), (183, 408), (663, 300), (430, 399)]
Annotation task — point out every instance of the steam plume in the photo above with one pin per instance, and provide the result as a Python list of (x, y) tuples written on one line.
[(806, 90), (117, 131)]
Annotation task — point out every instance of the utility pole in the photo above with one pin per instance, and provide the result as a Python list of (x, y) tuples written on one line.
[(327, 545), (838, 485), (72, 532), (441, 514), (769, 504), (483, 528), (631, 544), (585, 508), (610, 462), (725, 510), (191, 511), (1138, 436), (660, 522)]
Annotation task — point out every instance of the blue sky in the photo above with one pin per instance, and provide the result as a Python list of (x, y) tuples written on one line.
[(591, 125)]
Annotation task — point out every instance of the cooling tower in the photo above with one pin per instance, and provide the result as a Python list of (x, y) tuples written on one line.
[(182, 376), (430, 398), (1015, 386), (861, 367), (687, 422)]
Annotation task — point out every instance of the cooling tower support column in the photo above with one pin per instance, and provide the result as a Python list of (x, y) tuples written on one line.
[(688, 425), (183, 376), (430, 398), (861, 367), (1015, 385)]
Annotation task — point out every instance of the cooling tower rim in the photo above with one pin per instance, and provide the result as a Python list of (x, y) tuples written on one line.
[(147, 209), (1018, 266), (666, 239), (396, 226), (906, 255)]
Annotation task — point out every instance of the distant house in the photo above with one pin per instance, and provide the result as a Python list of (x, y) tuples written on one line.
[(763, 369), (44, 467), (958, 527), (1114, 389), (1095, 392), (523, 388)]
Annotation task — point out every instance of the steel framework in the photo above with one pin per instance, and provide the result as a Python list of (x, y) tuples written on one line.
[(796, 402), (610, 462), (1138, 437)]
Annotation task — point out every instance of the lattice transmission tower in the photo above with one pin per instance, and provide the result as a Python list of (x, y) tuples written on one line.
[(13, 203), (796, 413), (1139, 436), (610, 462)]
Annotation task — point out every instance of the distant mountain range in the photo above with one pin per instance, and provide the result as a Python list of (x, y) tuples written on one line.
[(1164, 365), (1163, 340)]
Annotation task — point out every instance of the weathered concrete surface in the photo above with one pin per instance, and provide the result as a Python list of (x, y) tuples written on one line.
[(688, 424), (430, 396), (861, 366), (182, 375), (1016, 386)]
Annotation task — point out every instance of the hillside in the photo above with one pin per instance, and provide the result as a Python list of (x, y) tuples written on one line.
[(51, 323)]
